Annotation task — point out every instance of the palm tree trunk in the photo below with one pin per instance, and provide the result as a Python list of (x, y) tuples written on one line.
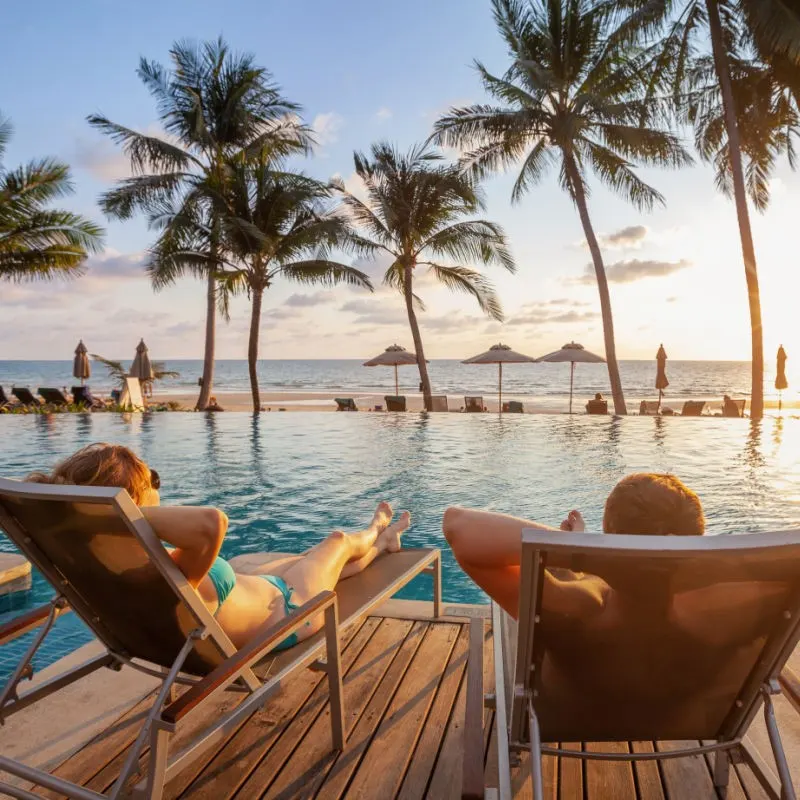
[(211, 331), (740, 197), (408, 292), (252, 348), (602, 285)]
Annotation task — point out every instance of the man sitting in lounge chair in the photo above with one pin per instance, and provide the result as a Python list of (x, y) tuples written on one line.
[(241, 603), (488, 546)]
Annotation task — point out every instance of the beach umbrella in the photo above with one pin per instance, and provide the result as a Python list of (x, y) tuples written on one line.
[(81, 368), (661, 373), (393, 356), (500, 354), (575, 354), (141, 367), (780, 377)]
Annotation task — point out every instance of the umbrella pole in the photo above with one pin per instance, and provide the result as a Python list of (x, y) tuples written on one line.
[(500, 387), (571, 379), (396, 390)]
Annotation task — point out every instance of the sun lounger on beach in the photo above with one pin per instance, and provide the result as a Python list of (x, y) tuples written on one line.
[(107, 565), (597, 407), (439, 402), (395, 402), (513, 407), (24, 395), (53, 397), (733, 408), (345, 404), (693, 408), (82, 396), (473, 405), (649, 408), (701, 631)]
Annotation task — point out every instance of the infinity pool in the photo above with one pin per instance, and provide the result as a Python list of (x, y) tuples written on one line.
[(285, 480)]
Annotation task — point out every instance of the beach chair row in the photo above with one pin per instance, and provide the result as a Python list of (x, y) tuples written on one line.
[(472, 404), (81, 396), (692, 408)]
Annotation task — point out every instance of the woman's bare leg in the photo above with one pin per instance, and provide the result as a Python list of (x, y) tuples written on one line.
[(488, 547), (387, 542)]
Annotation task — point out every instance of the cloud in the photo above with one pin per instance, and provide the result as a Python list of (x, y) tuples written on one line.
[(557, 312), (634, 270), (102, 160), (306, 300), (382, 114), (326, 127), (672, 299), (112, 264), (630, 237)]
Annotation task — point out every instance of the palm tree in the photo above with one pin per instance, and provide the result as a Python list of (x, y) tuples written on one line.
[(572, 97), (773, 28), (413, 212), (212, 104), (37, 242), (273, 225)]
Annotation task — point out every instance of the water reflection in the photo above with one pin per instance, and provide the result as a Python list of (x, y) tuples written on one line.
[(659, 431)]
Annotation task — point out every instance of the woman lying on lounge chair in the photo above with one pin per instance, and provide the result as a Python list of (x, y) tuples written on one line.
[(488, 546), (241, 603)]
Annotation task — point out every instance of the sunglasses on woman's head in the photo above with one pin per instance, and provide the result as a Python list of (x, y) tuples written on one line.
[(155, 480)]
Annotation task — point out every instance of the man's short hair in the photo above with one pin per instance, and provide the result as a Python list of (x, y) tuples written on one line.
[(649, 503)]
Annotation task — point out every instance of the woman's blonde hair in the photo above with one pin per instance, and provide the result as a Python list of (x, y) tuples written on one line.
[(101, 464)]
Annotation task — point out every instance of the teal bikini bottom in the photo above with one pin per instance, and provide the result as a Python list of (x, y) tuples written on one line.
[(223, 577)]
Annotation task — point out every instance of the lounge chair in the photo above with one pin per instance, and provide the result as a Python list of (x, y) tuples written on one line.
[(395, 402), (473, 405), (733, 408), (53, 397), (130, 396), (82, 396), (693, 408), (649, 408), (107, 565), (597, 407), (513, 407), (439, 402), (24, 395), (4, 401), (345, 404), (705, 627)]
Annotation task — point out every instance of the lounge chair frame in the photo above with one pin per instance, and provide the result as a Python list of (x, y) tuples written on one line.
[(473, 404), (516, 719), (167, 713)]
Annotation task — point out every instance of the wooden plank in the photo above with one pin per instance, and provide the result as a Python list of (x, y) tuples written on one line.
[(606, 779), (686, 777), (221, 774), (278, 775), (337, 779), (473, 746), (570, 774), (425, 756), (752, 786), (384, 764), (648, 777)]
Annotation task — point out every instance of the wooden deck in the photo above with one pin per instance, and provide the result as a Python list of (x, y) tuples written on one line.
[(405, 684)]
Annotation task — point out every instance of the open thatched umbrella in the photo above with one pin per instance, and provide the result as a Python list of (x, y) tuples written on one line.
[(780, 376), (574, 354), (81, 368), (141, 367), (393, 356), (661, 373), (500, 354)]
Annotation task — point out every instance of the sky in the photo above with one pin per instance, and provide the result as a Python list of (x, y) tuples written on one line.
[(366, 71)]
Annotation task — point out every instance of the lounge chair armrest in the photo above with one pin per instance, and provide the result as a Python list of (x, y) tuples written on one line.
[(27, 622), (263, 640), (472, 779)]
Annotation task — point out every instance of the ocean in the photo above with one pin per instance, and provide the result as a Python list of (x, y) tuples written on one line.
[(687, 378)]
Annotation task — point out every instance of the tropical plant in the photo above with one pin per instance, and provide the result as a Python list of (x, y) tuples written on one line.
[(413, 211), (572, 97), (118, 373), (211, 104), (275, 226), (726, 119), (38, 242)]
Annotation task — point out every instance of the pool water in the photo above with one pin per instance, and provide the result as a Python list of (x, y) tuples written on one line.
[(286, 480)]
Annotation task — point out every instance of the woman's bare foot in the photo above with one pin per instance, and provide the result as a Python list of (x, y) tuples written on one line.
[(389, 540), (574, 522), (382, 517)]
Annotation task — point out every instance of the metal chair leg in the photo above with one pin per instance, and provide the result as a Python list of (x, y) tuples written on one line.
[(536, 754), (722, 770), (787, 790)]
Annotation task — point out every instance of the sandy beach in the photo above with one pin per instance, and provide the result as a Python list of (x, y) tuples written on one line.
[(366, 401)]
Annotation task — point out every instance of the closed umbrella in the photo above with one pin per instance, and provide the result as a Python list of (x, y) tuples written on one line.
[(780, 377), (661, 373), (574, 353), (81, 368), (141, 367), (393, 356), (500, 354)]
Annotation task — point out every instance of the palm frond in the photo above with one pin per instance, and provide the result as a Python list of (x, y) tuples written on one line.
[(471, 282)]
